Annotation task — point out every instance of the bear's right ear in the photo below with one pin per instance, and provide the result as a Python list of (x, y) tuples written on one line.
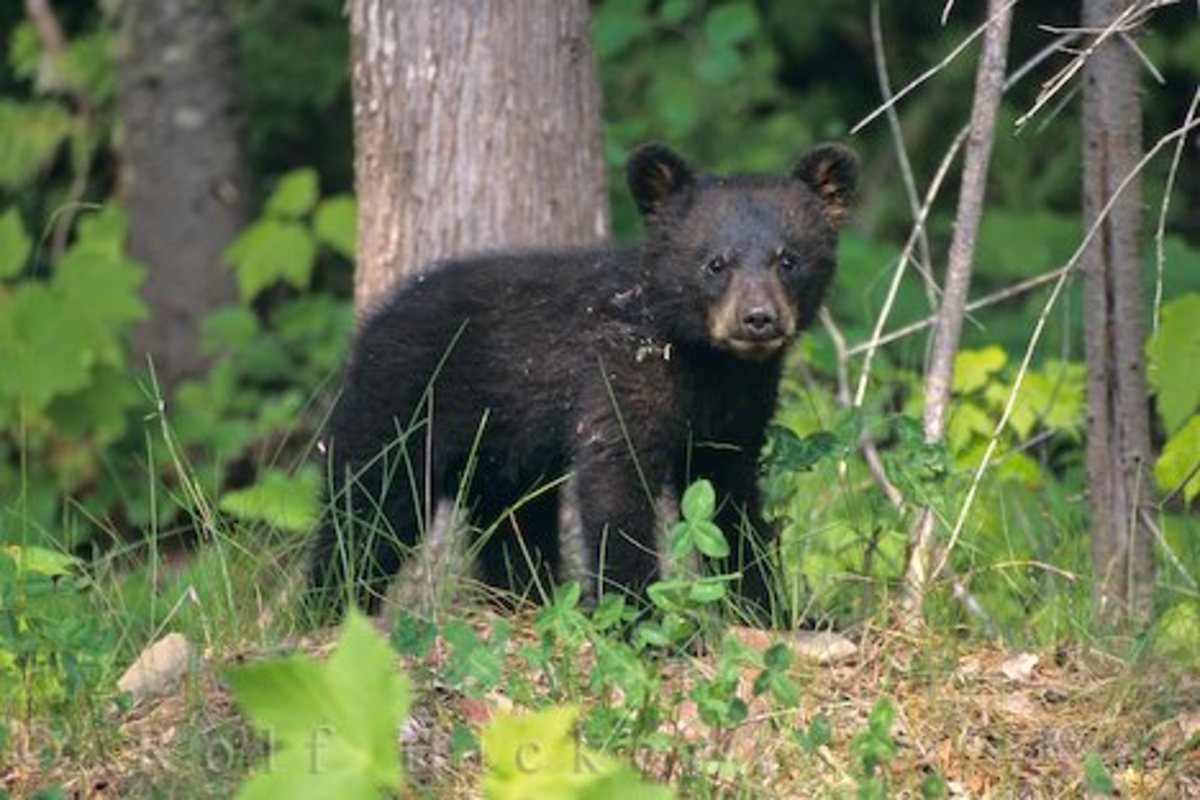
[(654, 174), (831, 171)]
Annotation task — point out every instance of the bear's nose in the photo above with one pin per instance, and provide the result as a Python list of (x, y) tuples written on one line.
[(759, 320)]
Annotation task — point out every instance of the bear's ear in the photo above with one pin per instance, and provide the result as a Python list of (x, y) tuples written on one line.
[(654, 174), (831, 171)]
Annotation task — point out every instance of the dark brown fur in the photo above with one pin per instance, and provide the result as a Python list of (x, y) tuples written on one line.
[(637, 369)]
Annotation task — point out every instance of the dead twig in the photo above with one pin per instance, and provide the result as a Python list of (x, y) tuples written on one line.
[(939, 375)]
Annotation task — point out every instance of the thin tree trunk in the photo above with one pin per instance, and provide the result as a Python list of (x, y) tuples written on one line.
[(183, 175), (939, 373), (1118, 447), (477, 126)]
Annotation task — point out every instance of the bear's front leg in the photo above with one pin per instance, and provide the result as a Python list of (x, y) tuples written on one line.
[(619, 519)]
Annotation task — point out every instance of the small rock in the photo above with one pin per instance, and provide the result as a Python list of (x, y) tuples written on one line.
[(1019, 668), (158, 669), (825, 648)]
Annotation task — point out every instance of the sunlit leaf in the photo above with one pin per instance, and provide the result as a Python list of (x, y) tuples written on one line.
[(336, 224), (1179, 464), (295, 195), (344, 712), (973, 368), (1174, 353)]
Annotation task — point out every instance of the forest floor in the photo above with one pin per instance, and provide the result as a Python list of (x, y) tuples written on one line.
[(989, 722)]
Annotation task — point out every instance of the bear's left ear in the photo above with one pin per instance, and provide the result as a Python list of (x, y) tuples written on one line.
[(656, 173), (831, 171)]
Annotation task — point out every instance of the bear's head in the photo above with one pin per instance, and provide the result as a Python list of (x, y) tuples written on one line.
[(741, 263)]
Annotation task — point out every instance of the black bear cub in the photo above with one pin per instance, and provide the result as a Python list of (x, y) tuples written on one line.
[(634, 370)]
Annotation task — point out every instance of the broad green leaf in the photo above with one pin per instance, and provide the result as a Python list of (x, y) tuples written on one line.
[(699, 501), (731, 23), (1180, 460), (14, 243), (334, 723), (336, 224), (1174, 353), (709, 539), (295, 195), (40, 561), (681, 542), (707, 590), (269, 251), (973, 368), (967, 421), (288, 502), (538, 755), (45, 352)]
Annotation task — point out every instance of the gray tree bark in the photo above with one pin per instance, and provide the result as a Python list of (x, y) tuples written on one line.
[(477, 126), (1118, 446), (183, 176)]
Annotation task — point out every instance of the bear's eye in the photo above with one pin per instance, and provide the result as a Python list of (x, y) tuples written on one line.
[(788, 263), (716, 265)]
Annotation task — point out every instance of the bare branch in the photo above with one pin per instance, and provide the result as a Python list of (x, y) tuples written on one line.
[(930, 196), (998, 296), (939, 375), (935, 69), (1160, 232), (925, 261)]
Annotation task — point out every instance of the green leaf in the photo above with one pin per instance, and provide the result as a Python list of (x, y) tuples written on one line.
[(285, 501), (45, 353), (973, 368), (294, 195), (1096, 776), (40, 561), (709, 539), (792, 453), (413, 636), (1179, 461), (336, 224), (15, 244), (1174, 353), (699, 501), (707, 590), (777, 657), (675, 11), (31, 134), (334, 723), (731, 23), (270, 251), (617, 25), (538, 756)]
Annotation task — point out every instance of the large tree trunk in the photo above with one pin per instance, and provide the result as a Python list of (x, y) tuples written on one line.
[(477, 126), (183, 177), (1118, 447)]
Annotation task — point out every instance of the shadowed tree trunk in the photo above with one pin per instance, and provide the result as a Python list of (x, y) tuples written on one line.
[(477, 126), (183, 177), (1118, 447)]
